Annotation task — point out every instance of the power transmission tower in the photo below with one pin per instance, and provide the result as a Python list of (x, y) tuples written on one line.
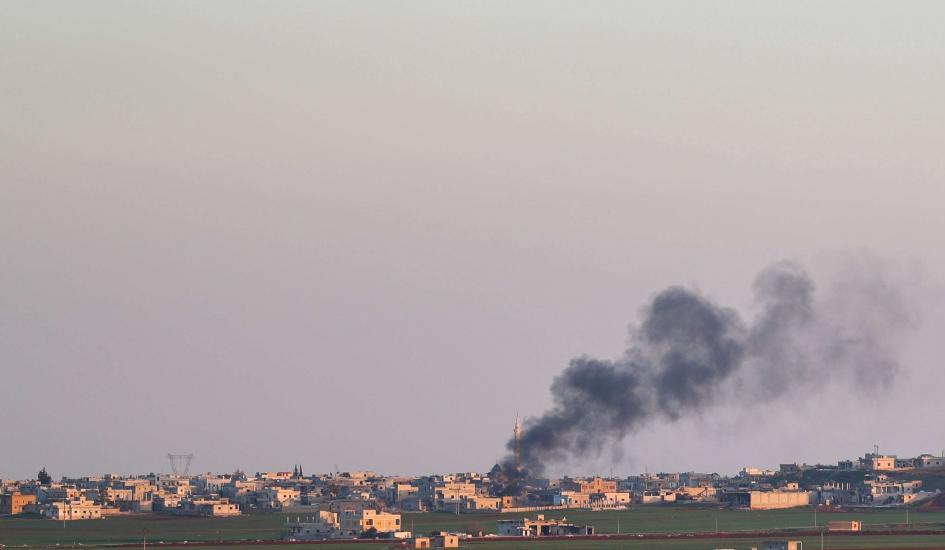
[(180, 464)]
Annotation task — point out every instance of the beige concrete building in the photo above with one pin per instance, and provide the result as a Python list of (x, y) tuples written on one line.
[(72, 510), (853, 525), (438, 540), (883, 491), (589, 486), (14, 503), (572, 499), (450, 496), (697, 493), (768, 500), (57, 493), (617, 499), (355, 522), (208, 508), (480, 503), (325, 525), (929, 461), (540, 527), (654, 496), (278, 497)]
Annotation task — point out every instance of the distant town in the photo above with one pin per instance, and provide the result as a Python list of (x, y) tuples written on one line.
[(362, 504)]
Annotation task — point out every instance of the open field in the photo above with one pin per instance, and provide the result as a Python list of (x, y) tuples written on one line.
[(681, 519), (655, 519), (906, 542), (830, 543)]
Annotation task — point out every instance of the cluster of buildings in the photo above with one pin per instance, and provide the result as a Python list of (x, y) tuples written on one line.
[(872, 480), (98, 497), (365, 503)]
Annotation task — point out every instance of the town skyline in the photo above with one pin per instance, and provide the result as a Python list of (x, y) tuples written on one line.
[(371, 236)]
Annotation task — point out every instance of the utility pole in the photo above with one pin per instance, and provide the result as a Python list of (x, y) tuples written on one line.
[(618, 526)]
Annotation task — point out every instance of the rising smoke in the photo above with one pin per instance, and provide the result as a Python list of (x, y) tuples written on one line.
[(687, 351)]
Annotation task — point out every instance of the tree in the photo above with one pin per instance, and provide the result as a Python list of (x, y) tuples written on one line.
[(43, 477)]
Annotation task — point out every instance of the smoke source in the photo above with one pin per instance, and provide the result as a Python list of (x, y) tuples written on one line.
[(688, 351)]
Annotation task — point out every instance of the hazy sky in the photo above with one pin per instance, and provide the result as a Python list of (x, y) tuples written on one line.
[(369, 234)]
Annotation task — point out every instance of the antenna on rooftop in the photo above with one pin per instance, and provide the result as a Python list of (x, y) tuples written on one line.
[(180, 464)]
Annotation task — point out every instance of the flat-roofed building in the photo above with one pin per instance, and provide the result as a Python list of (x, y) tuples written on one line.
[(278, 497), (356, 522), (540, 527), (616, 499), (572, 499), (14, 503), (929, 461), (479, 503), (873, 461), (72, 510), (852, 525), (206, 507), (321, 527), (57, 493), (589, 486), (767, 500)]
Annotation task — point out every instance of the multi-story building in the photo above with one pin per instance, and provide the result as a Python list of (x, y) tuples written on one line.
[(14, 503), (53, 493), (278, 497), (325, 525), (874, 462), (355, 522), (884, 491), (449, 496), (929, 461), (589, 486)]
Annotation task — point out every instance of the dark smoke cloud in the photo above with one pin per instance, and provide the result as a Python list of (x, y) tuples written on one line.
[(688, 351)]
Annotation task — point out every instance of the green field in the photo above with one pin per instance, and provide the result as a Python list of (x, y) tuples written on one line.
[(655, 519), (681, 519), (830, 543)]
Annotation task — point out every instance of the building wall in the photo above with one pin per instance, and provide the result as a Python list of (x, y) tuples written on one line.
[(844, 526), (358, 521), (70, 511), (770, 500), (588, 486), (13, 503)]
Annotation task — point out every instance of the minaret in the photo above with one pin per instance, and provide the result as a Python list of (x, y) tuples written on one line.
[(518, 444)]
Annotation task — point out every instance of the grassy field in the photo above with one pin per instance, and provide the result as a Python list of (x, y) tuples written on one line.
[(680, 519), (656, 519), (835, 543)]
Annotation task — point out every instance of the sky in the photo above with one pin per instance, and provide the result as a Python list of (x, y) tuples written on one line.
[(367, 235)]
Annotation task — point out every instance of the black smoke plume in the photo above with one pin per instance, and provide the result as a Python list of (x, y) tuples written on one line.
[(688, 351)]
